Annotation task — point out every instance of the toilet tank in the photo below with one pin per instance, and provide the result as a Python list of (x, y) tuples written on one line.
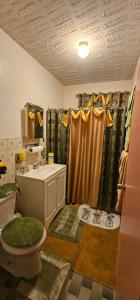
[(7, 207)]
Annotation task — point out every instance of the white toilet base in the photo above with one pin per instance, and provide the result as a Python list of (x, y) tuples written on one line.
[(26, 266), (22, 262)]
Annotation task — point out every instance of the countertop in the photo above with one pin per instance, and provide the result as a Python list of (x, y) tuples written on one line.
[(43, 172)]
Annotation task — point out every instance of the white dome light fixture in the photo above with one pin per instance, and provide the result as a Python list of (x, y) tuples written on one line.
[(83, 49)]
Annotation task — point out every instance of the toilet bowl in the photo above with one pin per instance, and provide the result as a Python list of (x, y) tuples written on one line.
[(21, 241)]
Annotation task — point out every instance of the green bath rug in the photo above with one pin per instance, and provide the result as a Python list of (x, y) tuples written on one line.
[(67, 225), (50, 283)]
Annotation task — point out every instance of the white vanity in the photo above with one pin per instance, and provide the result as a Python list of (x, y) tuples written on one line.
[(42, 192)]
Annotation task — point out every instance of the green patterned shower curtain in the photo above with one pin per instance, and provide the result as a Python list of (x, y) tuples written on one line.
[(57, 134), (113, 143), (112, 148)]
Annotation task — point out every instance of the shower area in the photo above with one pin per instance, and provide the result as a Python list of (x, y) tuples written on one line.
[(93, 141)]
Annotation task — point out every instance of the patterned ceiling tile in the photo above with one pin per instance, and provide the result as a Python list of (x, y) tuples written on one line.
[(50, 31)]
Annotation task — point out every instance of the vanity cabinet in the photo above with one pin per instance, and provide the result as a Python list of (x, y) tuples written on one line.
[(42, 193)]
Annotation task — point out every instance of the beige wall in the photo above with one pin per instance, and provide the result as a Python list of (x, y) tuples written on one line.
[(135, 74), (22, 79), (71, 91), (8, 148)]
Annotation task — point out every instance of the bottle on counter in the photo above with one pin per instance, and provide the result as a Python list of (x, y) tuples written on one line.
[(22, 155), (50, 158)]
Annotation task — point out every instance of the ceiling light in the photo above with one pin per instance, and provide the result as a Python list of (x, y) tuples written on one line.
[(83, 49)]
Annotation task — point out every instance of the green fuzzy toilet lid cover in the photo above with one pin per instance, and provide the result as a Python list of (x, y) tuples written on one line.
[(22, 232)]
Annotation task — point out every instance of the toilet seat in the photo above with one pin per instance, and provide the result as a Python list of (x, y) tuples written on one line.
[(23, 250), (22, 236)]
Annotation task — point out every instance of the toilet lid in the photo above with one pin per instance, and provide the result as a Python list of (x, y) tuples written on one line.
[(22, 232)]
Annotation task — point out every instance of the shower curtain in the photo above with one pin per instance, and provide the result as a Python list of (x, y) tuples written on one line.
[(85, 151), (90, 143), (57, 134), (113, 143), (112, 147)]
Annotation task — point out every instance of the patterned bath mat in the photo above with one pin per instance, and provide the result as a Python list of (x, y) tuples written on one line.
[(98, 256), (67, 225), (98, 218), (48, 284)]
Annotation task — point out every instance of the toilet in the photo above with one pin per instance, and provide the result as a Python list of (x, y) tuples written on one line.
[(21, 241)]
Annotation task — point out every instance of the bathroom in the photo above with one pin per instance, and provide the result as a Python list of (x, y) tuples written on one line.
[(76, 176)]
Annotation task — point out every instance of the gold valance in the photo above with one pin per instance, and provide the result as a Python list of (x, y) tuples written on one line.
[(97, 112), (84, 113)]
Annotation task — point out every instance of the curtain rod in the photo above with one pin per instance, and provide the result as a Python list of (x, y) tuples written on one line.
[(87, 108), (101, 107), (104, 93), (64, 109)]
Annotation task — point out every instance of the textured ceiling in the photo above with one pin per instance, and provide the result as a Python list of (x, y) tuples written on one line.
[(51, 29)]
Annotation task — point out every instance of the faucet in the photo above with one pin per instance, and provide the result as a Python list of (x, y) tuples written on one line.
[(36, 165)]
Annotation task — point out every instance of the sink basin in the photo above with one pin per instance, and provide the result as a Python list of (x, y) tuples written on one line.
[(47, 168), (43, 172)]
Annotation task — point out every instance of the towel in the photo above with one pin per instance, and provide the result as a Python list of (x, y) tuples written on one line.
[(122, 175)]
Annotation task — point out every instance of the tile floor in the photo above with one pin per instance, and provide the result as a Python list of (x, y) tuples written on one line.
[(77, 288), (81, 288), (7, 283)]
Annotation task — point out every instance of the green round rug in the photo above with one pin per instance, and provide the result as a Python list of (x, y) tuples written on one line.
[(22, 232)]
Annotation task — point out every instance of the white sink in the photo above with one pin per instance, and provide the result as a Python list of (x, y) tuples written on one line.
[(43, 172)]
